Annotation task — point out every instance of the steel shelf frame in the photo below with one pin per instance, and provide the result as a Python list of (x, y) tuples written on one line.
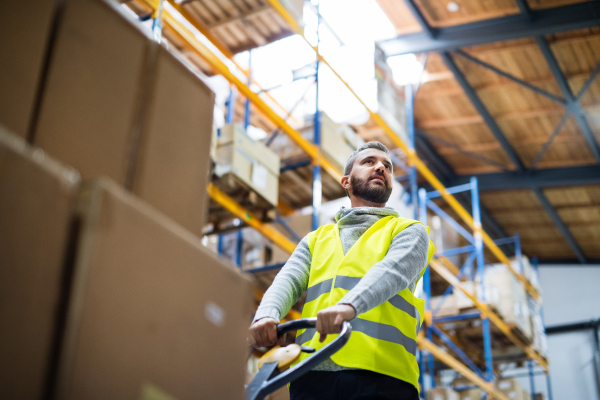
[(220, 67), (487, 315), (483, 380)]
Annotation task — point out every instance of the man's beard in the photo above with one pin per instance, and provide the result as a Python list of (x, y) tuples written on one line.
[(373, 193)]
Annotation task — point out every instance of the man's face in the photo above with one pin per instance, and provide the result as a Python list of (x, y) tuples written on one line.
[(371, 176)]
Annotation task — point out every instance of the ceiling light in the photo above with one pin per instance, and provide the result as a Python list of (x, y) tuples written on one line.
[(453, 6)]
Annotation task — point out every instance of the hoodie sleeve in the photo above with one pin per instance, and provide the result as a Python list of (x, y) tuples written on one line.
[(398, 270), (289, 284)]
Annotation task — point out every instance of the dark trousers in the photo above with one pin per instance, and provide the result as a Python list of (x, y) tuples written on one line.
[(350, 385)]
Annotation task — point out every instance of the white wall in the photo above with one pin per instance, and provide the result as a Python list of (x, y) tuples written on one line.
[(571, 294)]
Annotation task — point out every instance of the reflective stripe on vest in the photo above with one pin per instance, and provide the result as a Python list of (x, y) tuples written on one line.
[(348, 283), (383, 338)]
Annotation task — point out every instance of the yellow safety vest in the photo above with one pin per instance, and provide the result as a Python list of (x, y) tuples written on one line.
[(384, 339)]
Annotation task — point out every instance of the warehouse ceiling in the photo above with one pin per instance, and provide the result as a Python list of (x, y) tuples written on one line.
[(510, 93), (521, 114)]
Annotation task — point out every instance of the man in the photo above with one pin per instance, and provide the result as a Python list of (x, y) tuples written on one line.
[(363, 269)]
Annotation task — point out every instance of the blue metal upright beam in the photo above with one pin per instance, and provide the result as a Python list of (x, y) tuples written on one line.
[(531, 379), (317, 187), (410, 130), (540, 22), (487, 117), (485, 324), (562, 227), (572, 104)]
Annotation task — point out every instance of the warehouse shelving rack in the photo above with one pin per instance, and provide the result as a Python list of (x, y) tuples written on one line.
[(480, 237)]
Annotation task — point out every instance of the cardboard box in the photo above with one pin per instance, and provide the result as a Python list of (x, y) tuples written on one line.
[(512, 389), (248, 160), (173, 159), (471, 394), (36, 208), (91, 101), (25, 29), (301, 225), (334, 146), (441, 393), (118, 104), (153, 313)]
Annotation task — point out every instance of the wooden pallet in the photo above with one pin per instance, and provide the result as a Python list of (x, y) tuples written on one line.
[(519, 333), (242, 194)]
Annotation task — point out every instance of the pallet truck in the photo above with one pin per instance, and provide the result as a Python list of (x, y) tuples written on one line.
[(274, 371)]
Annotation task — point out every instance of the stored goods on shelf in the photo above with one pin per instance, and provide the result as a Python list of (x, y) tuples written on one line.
[(513, 389), (337, 142), (471, 394), (442, 393), (116, 103), (248, 160), (300, 224)]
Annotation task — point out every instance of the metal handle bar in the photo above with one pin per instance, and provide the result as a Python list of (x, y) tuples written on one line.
[(303, 367)]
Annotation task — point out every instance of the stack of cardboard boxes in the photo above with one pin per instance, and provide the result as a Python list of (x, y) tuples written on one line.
[(249, 161), (338, 142), (105, 288), (504, 292)]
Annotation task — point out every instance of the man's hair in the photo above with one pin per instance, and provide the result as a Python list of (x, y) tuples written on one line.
[(366, 146)]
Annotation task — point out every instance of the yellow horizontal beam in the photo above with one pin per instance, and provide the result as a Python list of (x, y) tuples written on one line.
[(222, 69), (491, 315), (266, 230), (221, 47), (414, 160)]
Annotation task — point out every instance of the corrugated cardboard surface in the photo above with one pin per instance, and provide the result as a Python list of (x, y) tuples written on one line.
[(471, 394), (152, 311), (173, 161), (24, 29), (91, 99), (36, 205), (250, 161), (442, 393)]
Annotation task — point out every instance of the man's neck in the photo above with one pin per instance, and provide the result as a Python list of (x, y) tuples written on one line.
[(359, 202)]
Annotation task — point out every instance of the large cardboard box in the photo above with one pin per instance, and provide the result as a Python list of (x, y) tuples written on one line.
[(153, 313), (442, 393), (36, 208), (25, 31), (93, 94), (173, 159), (118, 104)]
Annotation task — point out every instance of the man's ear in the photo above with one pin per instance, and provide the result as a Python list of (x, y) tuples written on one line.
[(345, 182)]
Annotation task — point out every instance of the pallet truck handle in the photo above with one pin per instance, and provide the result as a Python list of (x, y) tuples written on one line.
[(308, 364)]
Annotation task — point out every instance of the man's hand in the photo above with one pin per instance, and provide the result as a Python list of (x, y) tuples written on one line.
[(329, 320), (263, 333)]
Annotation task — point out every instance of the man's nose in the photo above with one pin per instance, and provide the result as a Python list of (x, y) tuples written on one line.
[(380, 167)]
